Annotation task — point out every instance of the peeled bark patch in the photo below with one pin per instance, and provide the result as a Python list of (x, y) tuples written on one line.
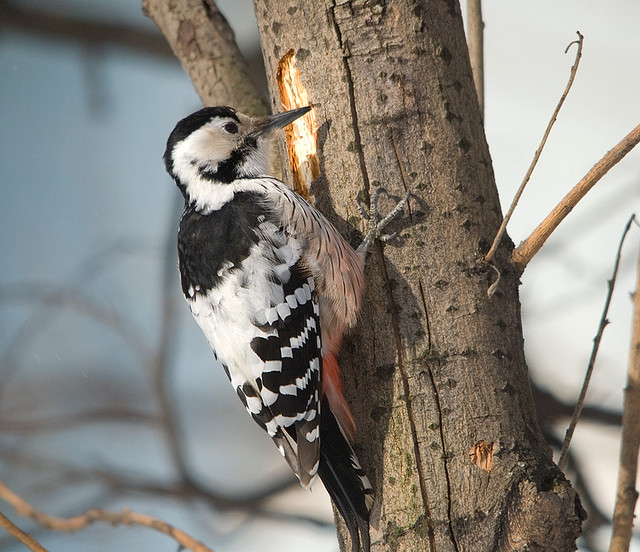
[(302, 134), (481, 455)]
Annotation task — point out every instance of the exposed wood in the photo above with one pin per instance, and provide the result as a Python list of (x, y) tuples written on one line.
[(302, 134)]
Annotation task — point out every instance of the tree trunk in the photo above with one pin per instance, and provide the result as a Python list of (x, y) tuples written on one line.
[(436, 368), (435, 371)]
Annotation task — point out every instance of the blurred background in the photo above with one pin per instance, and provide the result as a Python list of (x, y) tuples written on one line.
[(108, 393)]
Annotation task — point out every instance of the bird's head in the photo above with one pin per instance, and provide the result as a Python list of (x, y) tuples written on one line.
[(220, 145)]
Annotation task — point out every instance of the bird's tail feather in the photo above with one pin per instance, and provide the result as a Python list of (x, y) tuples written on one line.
[(345, 480)]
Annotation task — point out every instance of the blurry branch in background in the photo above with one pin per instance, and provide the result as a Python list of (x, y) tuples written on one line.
[(596, 519), (125, 517), (503, 227), (475, 43), (594, 352), (93, 33), (553, 411), (161, 363), (50, 301), (123, 483), (529, 247), (627, 495), (95, 415)]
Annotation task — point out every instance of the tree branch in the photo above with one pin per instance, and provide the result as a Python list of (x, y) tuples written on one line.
[(529, 247), (594, 352), (125, 517), (475, 43), (627, 495), (503, 227), (203, 41)]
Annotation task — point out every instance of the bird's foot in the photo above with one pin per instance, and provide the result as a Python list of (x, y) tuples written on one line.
[(375, 221)]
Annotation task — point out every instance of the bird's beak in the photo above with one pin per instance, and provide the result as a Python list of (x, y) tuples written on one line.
[(266, 125)]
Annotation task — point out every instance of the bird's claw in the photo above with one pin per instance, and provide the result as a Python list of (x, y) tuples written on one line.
[(376, 222)]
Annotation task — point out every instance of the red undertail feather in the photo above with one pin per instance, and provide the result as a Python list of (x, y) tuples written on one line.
[(332, 389)]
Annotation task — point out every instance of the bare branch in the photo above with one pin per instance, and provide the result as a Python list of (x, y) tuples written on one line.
[(203, 41), (574, 69), (594, 352), (627, 495), (20, 535), (529, 247), (475, 43), (125, 517)]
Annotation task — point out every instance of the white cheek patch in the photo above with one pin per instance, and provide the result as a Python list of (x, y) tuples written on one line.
[(203, 150)]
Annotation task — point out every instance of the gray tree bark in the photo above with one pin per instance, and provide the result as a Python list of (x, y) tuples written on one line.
[(435, 369), (435, 366)]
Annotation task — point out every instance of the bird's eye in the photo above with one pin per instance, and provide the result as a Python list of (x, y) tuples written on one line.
[(231, 128)]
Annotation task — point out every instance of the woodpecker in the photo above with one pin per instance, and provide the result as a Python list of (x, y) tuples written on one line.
[(273, 286)]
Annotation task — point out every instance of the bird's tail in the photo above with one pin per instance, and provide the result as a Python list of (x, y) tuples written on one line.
[(345, 480)]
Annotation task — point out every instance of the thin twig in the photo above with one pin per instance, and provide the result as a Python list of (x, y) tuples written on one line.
[(475, 43), (574, 69), (529, 247), (125, 517), (594, 352), (627, 495), (20, 535)]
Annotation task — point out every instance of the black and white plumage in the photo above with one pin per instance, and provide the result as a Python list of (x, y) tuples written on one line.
[(273, 286)]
